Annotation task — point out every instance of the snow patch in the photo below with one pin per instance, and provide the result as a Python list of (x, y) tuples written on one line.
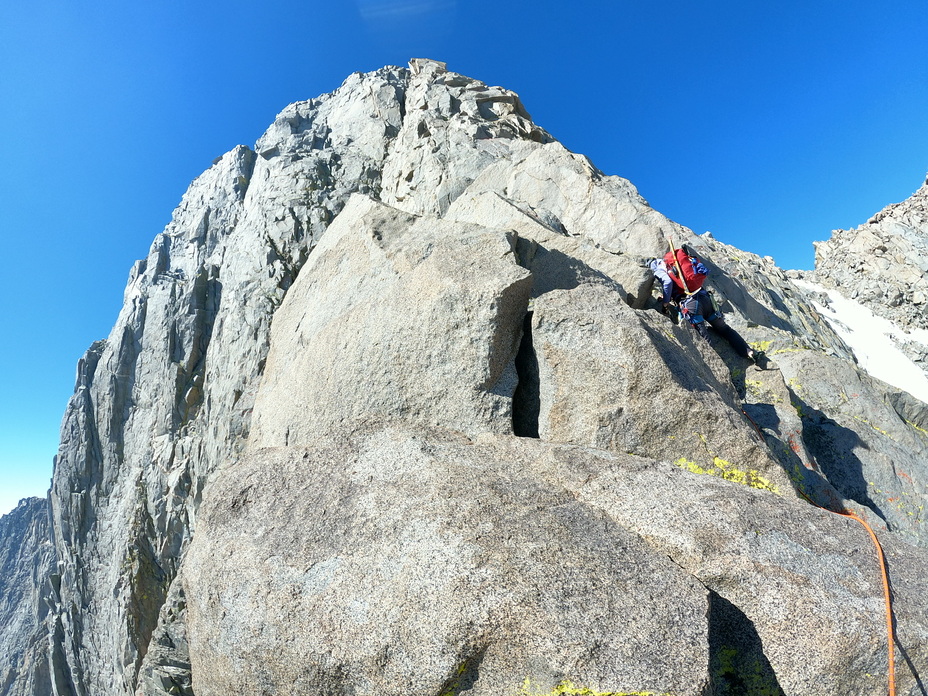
[(874, 340)]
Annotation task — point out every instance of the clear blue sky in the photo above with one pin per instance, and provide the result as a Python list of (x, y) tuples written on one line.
[(768, 123)]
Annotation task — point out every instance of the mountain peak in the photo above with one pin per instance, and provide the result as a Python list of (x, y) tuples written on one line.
[(391, 407)]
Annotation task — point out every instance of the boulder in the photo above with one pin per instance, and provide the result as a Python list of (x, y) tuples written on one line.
[(784, 575), (862, 443), (631, 381), (557, 260), (424, 562), (396, 316), (428, 562)]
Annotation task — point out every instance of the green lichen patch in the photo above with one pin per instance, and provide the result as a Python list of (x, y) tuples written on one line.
[(454, 684), (761, 391), (789, 350), (733, 674), (463, 677)]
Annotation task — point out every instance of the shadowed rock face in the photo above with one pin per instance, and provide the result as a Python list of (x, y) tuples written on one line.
[(388, 409)]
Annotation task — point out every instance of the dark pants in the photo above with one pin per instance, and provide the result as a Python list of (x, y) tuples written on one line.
[(699, 311)]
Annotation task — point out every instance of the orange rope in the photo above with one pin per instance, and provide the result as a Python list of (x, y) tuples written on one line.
[(886, 598), (760, 432)]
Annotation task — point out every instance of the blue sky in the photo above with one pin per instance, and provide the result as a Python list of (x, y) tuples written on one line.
[(769, 124)]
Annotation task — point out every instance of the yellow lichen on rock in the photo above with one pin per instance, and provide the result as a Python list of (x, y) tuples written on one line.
[(568, 688), (726, 470)]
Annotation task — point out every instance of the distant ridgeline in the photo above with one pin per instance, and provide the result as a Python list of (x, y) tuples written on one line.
[(389, 409)]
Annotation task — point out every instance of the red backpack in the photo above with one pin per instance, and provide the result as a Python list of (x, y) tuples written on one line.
[(693, 273)]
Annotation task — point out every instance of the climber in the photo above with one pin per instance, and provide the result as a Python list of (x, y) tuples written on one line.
[(681, 274)]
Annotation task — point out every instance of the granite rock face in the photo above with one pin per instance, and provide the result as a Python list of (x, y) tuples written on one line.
[(27, 577), (883, 263), (428, 562), (424, 561), (167, 397), (389, 408), (427, 331), (618, 379)]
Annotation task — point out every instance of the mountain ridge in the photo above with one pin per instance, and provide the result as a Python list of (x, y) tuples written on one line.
[(319, 294), (882, 265)]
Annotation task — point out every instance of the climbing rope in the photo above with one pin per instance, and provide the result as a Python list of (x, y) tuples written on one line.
[(676, 263), (890, 636), (887, 598)]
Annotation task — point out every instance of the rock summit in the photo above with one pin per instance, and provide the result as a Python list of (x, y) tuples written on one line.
[(389, 409)]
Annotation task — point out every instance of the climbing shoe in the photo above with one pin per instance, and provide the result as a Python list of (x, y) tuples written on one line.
[(759, 358)]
